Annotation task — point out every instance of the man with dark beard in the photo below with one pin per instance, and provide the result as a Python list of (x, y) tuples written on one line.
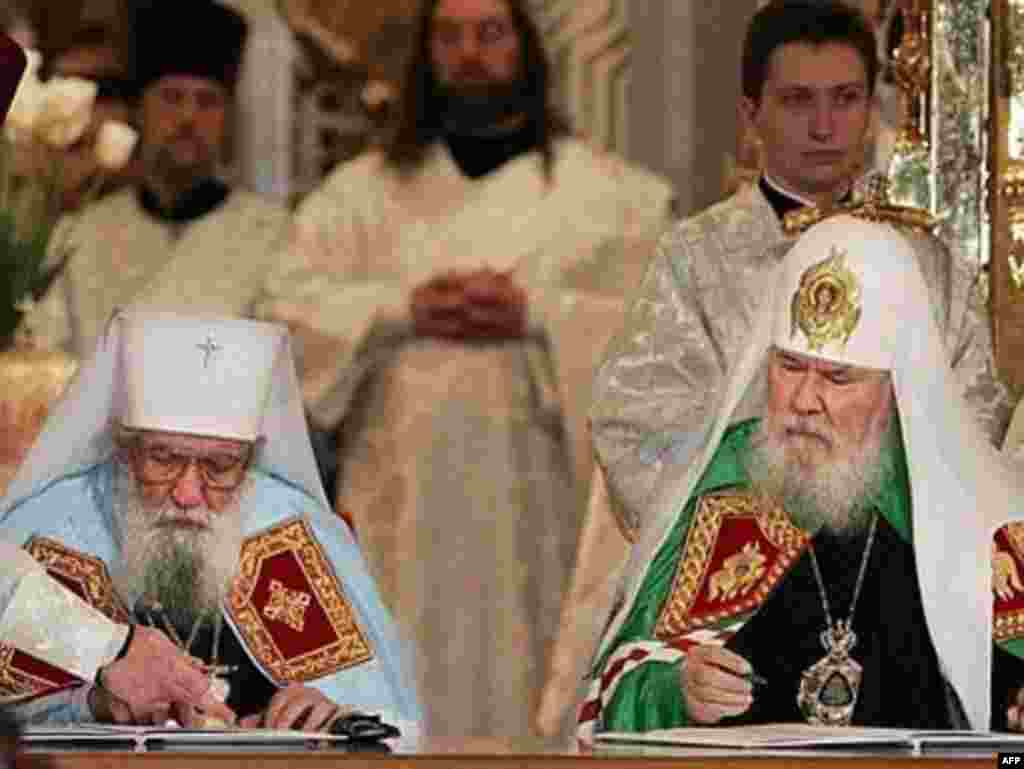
[(461, 284), (176, 485), (179, 237), (829, 561)]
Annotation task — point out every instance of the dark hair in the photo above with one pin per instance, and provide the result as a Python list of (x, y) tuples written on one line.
[(804, 21), (419, 113)]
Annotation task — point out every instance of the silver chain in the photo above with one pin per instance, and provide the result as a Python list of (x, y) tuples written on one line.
[(860, 577)]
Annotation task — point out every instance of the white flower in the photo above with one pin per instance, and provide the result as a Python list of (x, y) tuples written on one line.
[(65, 111), (114, 144), (26, 104)]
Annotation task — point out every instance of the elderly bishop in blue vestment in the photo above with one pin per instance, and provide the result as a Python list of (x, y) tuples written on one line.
[(175, 485)]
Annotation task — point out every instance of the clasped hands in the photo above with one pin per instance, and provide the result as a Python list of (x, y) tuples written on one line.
[(155, 682), (483, 304)]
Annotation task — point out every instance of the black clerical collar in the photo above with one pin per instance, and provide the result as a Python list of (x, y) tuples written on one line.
[(477, 156), (199, 201), (782, 202)]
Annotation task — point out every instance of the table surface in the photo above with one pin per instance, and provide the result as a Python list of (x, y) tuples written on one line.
[(425, 753)]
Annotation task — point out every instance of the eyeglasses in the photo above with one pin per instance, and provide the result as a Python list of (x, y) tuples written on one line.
[(220, 471)]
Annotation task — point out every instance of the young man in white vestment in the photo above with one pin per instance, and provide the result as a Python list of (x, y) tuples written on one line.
[(808, 77), (842, 533), (180, 237), (175, 485), (461, 283)]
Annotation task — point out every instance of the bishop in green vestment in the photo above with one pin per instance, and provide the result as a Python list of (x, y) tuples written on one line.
[(829, 560)]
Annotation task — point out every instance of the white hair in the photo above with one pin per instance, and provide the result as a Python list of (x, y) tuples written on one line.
[(835, 494), (186, 570)]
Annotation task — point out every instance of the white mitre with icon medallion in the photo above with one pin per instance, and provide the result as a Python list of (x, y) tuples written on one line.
[(839, 305)]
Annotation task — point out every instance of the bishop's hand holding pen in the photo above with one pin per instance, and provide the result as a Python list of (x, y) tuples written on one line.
[(717, 683)]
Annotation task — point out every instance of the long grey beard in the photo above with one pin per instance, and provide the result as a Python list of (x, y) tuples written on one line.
[(836, 494), (188, 571)]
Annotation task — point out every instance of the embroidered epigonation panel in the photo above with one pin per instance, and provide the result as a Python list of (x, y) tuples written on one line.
[(734, 554), (291, 608)]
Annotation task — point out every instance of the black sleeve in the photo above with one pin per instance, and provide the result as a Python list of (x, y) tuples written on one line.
[(1007, 678)]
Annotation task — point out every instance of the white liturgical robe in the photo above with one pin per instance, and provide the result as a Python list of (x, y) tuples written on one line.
[(213, 264)]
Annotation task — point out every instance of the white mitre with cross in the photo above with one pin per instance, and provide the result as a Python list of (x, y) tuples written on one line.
[(199, 376)]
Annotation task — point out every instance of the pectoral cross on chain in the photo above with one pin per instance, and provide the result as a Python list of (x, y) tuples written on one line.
[(208, 348)]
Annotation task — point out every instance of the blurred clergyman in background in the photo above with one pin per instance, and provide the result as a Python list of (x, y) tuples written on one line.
[(453, 294)]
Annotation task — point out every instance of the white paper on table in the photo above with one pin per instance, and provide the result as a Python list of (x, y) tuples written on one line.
[(140, 736), (805, 736)]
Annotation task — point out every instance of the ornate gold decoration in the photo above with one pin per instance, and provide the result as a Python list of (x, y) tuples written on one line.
[(826, 305), (347, 645), (1015, 533), (912, 69), (1005, 144), (287, 606), (1007, 585), (739, 573), (874, 206), (1005, 576), (1015, 49), (86, 572), (18, 683), (1012, 192), (711, 513)]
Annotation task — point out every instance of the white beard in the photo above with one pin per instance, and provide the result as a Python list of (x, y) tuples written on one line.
[(817, 492), (187, 570)]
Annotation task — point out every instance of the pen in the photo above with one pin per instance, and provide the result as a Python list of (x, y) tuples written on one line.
[(755, 679), (219, 670)]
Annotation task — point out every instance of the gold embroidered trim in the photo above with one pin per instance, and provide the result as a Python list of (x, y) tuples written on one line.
[(875, 207), (287, 606), (1015, 535), (348, 648), (17, 682), (85, 570), (739, 573), (709, 515), (1006, 583)]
